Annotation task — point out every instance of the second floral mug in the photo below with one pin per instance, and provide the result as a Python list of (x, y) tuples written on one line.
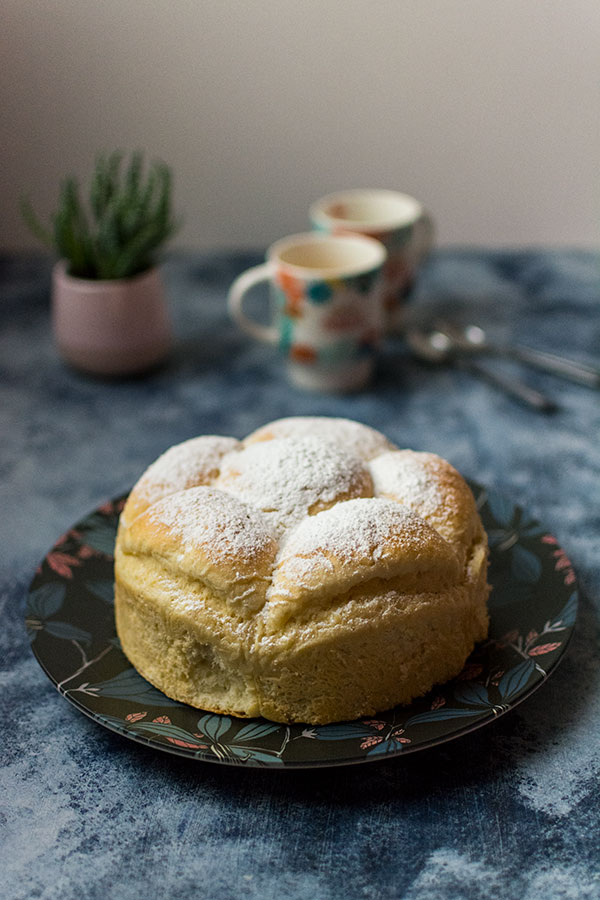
[(397, 220), (327, 311)]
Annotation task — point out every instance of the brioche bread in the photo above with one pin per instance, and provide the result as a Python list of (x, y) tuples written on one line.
[(311, 573)]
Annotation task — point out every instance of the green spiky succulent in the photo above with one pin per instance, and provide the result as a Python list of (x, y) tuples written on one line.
[(120, 230)]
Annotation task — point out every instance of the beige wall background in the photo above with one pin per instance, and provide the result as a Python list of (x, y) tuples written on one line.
[(487, 111)]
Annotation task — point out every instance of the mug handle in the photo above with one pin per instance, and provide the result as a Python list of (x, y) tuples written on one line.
[(235, 299)]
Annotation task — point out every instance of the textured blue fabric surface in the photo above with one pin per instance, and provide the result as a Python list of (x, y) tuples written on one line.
[(508, 811)]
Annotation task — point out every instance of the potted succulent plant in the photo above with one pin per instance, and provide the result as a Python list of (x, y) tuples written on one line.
[(109, 312)]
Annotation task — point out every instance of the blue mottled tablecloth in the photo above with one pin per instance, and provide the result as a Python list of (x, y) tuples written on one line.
[(510, 811)]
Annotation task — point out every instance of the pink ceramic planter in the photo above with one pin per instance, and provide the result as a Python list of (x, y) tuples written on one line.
[(118, 327)]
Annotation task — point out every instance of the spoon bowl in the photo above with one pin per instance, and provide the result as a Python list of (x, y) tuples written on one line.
[(432, 345)]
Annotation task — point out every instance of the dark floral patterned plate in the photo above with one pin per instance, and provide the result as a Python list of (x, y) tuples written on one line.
[(533, 607)]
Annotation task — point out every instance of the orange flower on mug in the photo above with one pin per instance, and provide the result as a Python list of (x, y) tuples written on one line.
[(293, 290), (303, 353), (292, 287), (293, 309)]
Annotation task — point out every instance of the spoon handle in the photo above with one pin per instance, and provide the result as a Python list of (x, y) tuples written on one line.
[(472, 339), (557, 365), (512, 386)]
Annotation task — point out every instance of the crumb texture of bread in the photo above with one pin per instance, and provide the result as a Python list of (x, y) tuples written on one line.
[(312, 572)]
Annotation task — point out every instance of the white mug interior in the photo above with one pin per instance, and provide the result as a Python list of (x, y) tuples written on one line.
[(312, 255), (368, 210)]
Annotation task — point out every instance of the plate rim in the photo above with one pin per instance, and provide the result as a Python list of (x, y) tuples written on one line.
[(482, 721), (483, 718)]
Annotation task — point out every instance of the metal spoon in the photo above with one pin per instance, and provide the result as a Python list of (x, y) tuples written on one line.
[(472, 339), (436, 347)]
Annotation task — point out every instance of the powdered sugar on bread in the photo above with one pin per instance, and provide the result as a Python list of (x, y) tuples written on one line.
[(312, 572), (203, 516), (431, 487), (355, 542), (289, 478), (189, 464), (359, 439)]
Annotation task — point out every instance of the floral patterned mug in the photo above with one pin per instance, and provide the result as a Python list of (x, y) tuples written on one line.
[(327, 312), (400, 222)]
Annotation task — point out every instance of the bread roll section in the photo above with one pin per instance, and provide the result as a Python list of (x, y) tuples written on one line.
[(316, 573)]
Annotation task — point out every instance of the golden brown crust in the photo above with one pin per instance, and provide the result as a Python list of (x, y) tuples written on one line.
[(361, 541), (206, 536), (431, 488), (354, 436), (190, 464), (312, 573)]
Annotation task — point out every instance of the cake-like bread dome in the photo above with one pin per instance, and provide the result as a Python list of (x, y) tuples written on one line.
[(311, 573)]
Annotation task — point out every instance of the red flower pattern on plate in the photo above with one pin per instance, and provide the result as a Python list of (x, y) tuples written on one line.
[(471, 671), (544, 648), (179, 743), (62, 563), (370, 742), (562, 560)]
